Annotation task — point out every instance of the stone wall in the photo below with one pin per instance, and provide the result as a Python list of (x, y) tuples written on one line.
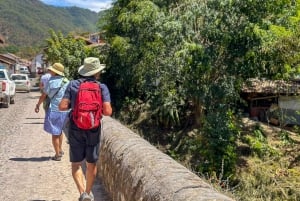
[(131, 169)]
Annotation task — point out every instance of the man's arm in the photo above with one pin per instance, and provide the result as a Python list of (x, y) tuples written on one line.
[(107, 110), (106, 107)]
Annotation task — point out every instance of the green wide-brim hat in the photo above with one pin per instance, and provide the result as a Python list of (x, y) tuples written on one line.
[(90, 67)]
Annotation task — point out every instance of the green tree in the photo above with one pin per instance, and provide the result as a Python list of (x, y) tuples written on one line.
[(280, 43), (186, 62), (68, 51), (222, 48), (11, 49)]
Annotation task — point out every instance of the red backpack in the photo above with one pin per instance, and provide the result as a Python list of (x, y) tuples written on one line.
[(87, 111)]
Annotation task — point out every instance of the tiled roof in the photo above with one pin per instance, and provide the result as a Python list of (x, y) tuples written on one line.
[(271, 87)]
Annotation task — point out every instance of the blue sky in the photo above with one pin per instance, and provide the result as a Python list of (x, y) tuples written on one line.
[(94, 5)]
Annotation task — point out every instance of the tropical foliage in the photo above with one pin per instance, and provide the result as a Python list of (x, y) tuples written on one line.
[(68, 51), (178, 67)]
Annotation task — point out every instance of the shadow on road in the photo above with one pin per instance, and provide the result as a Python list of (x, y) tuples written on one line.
[(42, 200), (35, 123), (33, 118), (32, 159)]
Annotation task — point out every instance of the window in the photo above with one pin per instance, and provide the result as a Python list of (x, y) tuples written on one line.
[(2, 74)]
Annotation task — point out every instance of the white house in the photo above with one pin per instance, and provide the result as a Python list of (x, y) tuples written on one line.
[(38, 64)]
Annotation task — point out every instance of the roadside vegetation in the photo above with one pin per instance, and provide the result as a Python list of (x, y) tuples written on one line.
[(268, 164), (175, 70)]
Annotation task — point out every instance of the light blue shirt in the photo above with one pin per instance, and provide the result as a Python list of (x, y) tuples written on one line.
[(55, 89), (44, 79)]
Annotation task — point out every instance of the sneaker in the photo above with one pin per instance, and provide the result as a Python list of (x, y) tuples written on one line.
[(56, 158), (92, 196), (82, 196), (86, 197), (61, 153)]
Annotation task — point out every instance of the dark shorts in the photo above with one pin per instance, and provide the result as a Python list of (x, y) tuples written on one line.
[(84, 144)]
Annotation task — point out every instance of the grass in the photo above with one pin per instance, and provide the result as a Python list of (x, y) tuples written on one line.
[(270, 168)]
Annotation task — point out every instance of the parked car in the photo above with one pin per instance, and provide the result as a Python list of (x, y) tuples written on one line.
[(24, 70), (8, 89), (22, 82)]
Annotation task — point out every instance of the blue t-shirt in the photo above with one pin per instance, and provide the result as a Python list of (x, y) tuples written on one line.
[(73, 86)]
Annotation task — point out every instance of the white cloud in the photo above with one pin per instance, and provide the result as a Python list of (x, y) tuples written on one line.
[(94, 5)]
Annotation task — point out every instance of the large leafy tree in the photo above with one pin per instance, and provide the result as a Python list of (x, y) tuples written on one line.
[(135, 48), (227, 42), (187, 61)]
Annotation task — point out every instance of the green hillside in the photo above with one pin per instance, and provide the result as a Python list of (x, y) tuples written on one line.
[(27, 22)]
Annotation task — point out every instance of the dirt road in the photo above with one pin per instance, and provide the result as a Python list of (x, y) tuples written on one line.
[(26, 170)]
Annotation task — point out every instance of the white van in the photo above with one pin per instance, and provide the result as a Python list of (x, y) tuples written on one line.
[(24, 69)]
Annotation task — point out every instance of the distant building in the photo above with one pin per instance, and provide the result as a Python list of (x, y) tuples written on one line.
[(12, 62), (9, 61), (274, 101), (94, 40), (38, 64)]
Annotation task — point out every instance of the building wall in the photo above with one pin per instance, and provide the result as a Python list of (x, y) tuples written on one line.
[(290, 109)]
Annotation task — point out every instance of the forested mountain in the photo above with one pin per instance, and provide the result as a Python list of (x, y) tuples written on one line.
[(27, 22)]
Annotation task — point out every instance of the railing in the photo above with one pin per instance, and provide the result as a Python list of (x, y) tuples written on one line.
[(131, 169)]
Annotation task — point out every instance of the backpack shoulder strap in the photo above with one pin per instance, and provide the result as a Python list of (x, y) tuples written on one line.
[(83, 80), (63, 82)]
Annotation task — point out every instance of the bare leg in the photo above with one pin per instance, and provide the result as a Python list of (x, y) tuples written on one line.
[(61, 137), (91, 172), (56, 144), (78, 177)]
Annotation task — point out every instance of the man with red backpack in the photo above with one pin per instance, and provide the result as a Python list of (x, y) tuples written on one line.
[(89, 100)]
